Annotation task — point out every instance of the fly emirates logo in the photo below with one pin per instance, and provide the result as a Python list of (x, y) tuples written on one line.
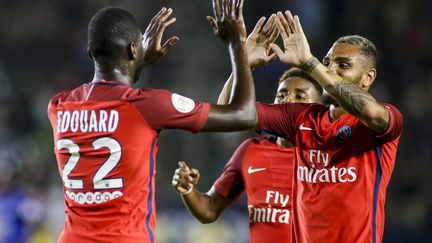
[(312, 174), (271, 214)]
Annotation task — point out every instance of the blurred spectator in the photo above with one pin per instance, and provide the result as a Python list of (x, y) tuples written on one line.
[(21, 212)]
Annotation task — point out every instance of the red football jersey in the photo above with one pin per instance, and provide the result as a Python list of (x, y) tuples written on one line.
[(105, 136), (342, 170), (265, 170)]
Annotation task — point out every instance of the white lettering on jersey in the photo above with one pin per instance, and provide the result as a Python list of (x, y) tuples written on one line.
[(182, 104), (92, 197), (318, 157), (82, 121), (268, 215), (332, 175), (275, 212), (59, 120), (277, 198)]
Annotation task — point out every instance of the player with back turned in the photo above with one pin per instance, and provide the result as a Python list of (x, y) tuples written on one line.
[(345, 152), (105, 131)]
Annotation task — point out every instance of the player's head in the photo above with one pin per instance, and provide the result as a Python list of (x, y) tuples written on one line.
[(114, 41), (354, 58), (295, 85)]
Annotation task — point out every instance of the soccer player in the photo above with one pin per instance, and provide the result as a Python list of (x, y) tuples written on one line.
[(105, 131), (261, 166), (345, 152)]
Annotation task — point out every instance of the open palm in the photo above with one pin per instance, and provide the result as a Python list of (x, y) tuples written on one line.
[(296, 48), (152, 36), (228, 22), (258, 42)]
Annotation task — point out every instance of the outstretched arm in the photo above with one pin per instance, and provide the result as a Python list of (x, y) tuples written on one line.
[(239, 114), (228, 25), (349, 96), (257, 48), (206, 207)]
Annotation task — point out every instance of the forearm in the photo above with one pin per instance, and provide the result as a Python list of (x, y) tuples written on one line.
[(240, 113), (352, 98), (200, 206), (243, 89)]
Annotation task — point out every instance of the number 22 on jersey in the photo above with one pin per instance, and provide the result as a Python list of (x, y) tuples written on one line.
[(99, 181)]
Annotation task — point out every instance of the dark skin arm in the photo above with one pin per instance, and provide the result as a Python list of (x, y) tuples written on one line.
[(229, 26), (239, 114), (206, 207), (257, 47)]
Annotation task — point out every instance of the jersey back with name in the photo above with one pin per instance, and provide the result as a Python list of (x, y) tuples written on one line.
[(105, 150)]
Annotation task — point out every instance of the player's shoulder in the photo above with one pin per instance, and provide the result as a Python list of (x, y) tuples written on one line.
[(304, 108), (158, 94), (59, 97), (252, 140), (313, 111), (269, 141), (70, 95), (143, 93), (261, 140), (246, 144), (315, 107)]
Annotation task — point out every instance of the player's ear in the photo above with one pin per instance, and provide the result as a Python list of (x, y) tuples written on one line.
[(369, 79), (133, 50)]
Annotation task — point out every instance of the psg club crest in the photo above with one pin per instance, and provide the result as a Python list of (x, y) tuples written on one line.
[(343, 133)]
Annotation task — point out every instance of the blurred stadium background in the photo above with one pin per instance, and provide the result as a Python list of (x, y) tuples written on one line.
[(43, 50)]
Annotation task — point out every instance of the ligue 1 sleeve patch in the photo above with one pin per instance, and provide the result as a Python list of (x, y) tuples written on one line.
[(182, 104)]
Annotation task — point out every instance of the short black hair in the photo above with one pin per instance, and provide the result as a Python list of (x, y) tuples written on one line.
[(366, 47), (297, 72), (110, 31)]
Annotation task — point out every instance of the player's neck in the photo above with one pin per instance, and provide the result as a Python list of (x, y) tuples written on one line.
[(336, 112), (112, 75)]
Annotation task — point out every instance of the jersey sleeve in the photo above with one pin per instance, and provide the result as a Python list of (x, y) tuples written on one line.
[(278, 119), (395, 127), (230, 184), (162, 109)]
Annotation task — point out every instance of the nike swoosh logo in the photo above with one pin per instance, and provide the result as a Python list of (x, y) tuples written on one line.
[(302, 127), (250, 170)]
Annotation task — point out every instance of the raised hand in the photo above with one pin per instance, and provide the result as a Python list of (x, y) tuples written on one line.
[(185, 178), (152, 37), (228, 22), (297, 51), (258, 42)]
